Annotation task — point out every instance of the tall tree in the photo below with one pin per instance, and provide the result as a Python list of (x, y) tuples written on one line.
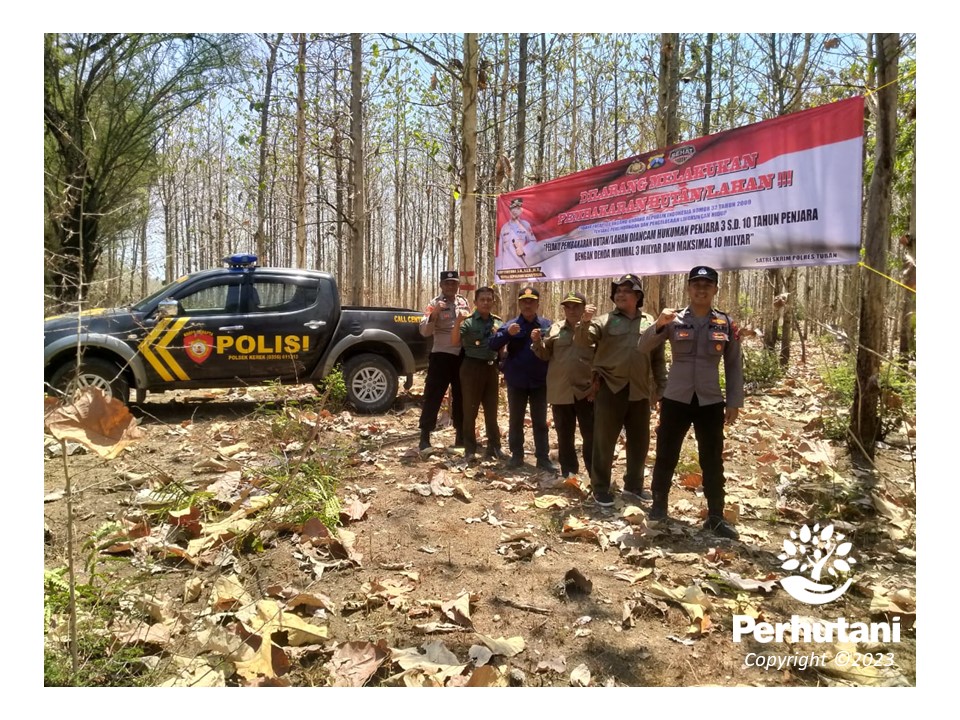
[(301, 150), (668, 93), (520, 159), (468, 205), (357, 190), (262, 146), (106, 100), (864, 414)]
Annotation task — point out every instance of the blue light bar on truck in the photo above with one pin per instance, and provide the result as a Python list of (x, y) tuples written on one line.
[(240, 261)]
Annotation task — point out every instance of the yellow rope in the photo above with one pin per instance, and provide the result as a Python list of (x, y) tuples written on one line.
[(905, 287), (902, 77)]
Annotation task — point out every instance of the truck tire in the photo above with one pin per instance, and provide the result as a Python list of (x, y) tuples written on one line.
[(93, 372), (371, 382)]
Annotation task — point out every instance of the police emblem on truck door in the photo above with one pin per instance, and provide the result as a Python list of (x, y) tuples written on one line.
[(198, 345)]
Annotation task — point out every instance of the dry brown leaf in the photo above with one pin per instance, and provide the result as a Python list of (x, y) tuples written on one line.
[(817, 452), (458, 610), (157, 634), (507, 647), (102, 425), (227, 489), (228, 594), (576, 483), (557, 665), (438, 627), (354, 511), (633, 576), (228, 450), (269, 661), (310, 601), (692, 480), (195, 672), (215, 465), (580, 677), (354, 663), (767, 458), (487, 676), (548, 501)]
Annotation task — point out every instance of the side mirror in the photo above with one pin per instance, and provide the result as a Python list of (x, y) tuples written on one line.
[(168, 307)]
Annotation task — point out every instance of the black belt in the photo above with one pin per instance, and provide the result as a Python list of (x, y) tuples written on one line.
[(488, 362)]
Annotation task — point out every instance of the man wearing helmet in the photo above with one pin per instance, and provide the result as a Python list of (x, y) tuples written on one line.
[(628, 380)]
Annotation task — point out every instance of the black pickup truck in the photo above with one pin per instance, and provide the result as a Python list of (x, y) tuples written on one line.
[(234, 326)]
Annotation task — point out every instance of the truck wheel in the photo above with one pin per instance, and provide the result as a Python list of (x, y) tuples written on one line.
[(94, 372), (371, 382)]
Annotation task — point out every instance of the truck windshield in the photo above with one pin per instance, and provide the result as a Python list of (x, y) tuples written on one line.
[(161, 293)]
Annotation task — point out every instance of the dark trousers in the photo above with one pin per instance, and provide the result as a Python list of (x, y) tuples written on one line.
[(675, 420), (517, 400), (615, 411), (480, 381), (565, 419), (442, 372)]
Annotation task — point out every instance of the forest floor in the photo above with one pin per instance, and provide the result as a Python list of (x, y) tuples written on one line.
[(190, 550)]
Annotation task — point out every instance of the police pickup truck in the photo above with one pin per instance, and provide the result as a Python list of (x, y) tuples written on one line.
[(235, 326)]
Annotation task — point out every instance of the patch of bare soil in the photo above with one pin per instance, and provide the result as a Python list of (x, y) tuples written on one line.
[(444, 573)]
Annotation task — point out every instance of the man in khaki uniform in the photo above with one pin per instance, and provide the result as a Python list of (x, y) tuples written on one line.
[(479, 372), (569, 384), (629, 381)]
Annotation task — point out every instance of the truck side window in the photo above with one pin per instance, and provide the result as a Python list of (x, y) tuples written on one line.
[(273, 296), (212, 300)]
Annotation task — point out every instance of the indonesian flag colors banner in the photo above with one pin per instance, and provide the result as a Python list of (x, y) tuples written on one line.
[(782, 192)]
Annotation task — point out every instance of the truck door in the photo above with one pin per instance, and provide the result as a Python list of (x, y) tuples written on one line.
[(199, 345), (290, 322)]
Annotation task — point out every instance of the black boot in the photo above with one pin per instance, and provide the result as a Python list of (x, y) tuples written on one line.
[(721, 527), (424, 440), (458, 440), (658, 512)]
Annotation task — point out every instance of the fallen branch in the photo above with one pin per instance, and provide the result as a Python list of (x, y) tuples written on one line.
[(522, 606)]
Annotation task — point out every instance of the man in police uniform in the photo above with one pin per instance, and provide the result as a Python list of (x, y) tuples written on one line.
[(443, 370), (479, 373), (699, 336), (629, 380), (526, 376), (569, 383)]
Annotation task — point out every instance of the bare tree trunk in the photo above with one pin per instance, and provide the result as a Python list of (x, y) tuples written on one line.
[(262, 173), (707, 86), (864, 414), (667, 132), (144, 269), (468, 204), (301, 192), (574, 108), (520, 160), (908, 309), (542, 116), (358, 205)]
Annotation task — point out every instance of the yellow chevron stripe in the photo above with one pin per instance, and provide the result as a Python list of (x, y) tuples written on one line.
[(147, 353), (161, 348)]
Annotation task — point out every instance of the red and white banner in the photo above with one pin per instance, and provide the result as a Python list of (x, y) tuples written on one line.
[(782, 192)]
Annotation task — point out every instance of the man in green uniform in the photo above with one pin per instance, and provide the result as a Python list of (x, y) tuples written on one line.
[(699, 336), (479, 372), (569, 383), (629, 381)]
